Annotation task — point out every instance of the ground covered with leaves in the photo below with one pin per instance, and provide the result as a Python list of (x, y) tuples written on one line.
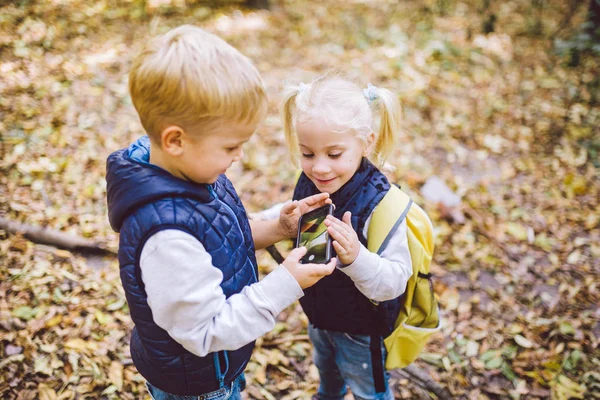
[(498, 117)]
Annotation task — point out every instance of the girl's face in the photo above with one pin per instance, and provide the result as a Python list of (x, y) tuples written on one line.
[(329, 159)]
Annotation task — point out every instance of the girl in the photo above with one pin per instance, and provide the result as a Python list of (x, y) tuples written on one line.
[(329, 123)]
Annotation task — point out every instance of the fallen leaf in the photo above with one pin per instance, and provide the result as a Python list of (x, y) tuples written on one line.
[(523, 342), (46, 393), (115, 374)]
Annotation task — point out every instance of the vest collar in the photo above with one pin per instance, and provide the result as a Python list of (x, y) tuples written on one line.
[(359, 195), (132, 182)]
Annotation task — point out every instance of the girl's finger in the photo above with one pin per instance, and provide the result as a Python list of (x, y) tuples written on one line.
[(343, 229), (335, 232), (344, 222), (339, 236), (334, 221), (338, 248), (335, 235), (347, 218)]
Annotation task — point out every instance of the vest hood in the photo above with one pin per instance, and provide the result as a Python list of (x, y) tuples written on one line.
[(131, 184)]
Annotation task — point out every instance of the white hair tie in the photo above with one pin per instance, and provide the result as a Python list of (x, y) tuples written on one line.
[(370, 93)]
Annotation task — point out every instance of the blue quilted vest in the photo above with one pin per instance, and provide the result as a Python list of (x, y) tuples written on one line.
[(334, 303), (144, 199)]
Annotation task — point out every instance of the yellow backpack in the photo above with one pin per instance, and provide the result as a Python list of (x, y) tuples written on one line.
[(419, 316)]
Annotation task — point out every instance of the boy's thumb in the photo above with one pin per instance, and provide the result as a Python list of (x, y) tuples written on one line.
[(297, 254)]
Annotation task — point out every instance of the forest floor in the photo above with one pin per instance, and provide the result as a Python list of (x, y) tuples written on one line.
[(500, 117)]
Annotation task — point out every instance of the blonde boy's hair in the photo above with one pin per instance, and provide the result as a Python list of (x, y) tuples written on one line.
[(188, 77), (342, 105)]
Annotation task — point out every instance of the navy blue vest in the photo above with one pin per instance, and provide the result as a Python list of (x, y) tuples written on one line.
[(144, 199), (334, 303)]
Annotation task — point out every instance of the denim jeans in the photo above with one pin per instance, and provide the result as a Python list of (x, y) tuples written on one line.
[(231, 392), (345, 360)]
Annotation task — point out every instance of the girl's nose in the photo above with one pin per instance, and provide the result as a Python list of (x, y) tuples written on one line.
[(321, 167)]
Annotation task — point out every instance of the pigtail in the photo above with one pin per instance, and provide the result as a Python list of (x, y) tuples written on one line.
[(391, 115), (288, 110)]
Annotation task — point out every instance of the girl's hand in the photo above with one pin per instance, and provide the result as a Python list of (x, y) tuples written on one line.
[(345, 239), (291, 212)]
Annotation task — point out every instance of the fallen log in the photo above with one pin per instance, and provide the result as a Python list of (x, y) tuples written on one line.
[(55, 238)]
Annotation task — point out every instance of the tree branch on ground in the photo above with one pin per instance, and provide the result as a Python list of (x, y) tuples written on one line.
[(55, 238), (422, 379)]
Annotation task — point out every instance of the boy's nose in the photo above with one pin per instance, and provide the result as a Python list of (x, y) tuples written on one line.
[(239, 155)]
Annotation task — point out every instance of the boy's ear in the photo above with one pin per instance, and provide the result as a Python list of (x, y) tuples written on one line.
[(369, 144), (171, 140)]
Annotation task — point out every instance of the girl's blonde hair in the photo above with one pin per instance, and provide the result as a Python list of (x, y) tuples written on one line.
[(188, 77), (344, 107)]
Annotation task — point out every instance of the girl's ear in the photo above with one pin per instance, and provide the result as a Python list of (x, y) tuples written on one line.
[(171, 140), (369, 144)]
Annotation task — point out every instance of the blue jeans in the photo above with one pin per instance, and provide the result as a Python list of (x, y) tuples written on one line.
[(231, 392), (344, 359)]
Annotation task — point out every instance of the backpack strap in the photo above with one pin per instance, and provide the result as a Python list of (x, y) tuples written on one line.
[(377, 363), (387, 217)]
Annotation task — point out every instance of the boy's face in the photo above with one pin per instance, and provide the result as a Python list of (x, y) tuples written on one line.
[(209, 152), (329, 159)]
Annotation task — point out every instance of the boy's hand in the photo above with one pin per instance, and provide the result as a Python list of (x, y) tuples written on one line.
[(291, 212), (306, 274), (345, 240)]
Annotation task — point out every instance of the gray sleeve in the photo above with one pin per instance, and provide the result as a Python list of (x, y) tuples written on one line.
[(187, 301)]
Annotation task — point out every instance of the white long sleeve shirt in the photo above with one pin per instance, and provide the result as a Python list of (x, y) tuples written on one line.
[(186, 299), (382, 277)]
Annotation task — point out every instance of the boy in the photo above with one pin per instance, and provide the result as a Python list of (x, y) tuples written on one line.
[(186, 249)]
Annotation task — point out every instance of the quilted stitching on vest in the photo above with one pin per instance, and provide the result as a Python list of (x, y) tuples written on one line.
[(143, 200)]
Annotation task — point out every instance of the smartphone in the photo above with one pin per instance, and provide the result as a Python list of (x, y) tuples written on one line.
[(312, 234)]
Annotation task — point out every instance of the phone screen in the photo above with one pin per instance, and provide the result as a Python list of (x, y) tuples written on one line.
[(314, 236)]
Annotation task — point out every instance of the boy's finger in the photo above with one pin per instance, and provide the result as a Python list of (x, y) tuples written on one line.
[(290, 207), (324, 269), (296, 254), (316, 201), (315, 198), (319, 270), (330, 266)]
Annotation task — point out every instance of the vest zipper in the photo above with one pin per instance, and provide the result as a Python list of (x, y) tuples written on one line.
[(226, 357), (220, 376), (212, 192)]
